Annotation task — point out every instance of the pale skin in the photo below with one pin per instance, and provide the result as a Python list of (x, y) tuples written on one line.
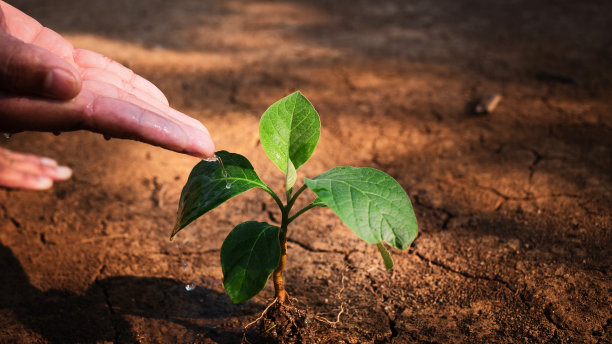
[(48, 85)]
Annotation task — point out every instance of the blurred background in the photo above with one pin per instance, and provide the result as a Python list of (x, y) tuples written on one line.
[(514, 201)]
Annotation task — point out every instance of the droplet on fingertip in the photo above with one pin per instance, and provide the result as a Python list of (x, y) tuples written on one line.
[(107, 138)]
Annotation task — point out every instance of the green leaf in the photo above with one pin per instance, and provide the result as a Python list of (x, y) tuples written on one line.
[(369, 202), (385, 255), (249, 254), (289, 131), (207, 186), (318, 203), (291, 176)]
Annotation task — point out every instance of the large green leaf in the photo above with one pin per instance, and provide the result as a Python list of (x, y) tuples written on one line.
[(369, 202), (208, 186), (249, 254), (289, 131)]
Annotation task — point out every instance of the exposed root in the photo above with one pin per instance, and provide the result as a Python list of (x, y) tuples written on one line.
[(338, 295), (261, 315)]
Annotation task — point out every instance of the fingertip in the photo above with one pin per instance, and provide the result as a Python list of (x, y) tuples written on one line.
[(62, 172), (205, 151)]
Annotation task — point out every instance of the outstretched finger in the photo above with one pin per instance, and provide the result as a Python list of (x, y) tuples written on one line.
[(109, 116), (86, 59), (26, 171), (108, 86)]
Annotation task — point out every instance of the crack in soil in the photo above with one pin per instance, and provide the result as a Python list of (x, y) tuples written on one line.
[(108, 304), (318, 250), (473, 276), (392, 323), (12, 219), (526, 198), (507, 285), (537, 158)]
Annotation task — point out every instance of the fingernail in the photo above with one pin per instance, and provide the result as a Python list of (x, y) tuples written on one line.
[(48, 162), (43, 182), (63, 172), (61, 83)]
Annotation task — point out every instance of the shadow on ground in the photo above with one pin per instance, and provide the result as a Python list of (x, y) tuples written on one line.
[(61, 316)]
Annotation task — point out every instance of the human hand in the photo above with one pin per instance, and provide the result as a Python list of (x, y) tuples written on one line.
[(24, 171), (47, 85)]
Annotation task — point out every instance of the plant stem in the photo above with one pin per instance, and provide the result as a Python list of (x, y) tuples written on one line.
[(291, 201), (302, 211), (277, 276), (279, 283), (275, 197)]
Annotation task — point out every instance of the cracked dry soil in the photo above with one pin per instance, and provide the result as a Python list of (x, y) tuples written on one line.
[(514, 207)]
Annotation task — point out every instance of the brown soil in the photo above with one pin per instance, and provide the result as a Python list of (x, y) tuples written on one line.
[(514, 206)]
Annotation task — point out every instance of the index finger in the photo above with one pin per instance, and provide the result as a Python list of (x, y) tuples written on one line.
[(105, 115)]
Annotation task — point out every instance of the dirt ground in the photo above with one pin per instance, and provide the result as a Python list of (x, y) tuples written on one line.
[(514, 207)]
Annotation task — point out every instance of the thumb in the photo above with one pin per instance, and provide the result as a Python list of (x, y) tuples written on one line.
[(26, 68)]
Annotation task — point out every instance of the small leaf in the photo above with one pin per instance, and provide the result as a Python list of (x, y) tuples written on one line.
[(291, 176), (369, 202), (318, 203), (207, 186), (289, 131), (249, 254), (385, 255)]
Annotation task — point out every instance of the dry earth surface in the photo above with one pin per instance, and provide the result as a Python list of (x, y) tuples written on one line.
[(514, 207)]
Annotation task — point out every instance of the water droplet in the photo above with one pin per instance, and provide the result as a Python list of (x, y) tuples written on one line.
[(222, 166), (190, 286), (228, 185), (7, 135), (56, 133), (185, 267), (211, 159), (107, 138)]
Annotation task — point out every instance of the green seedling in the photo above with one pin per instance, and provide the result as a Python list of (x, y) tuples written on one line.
[(369, 202)]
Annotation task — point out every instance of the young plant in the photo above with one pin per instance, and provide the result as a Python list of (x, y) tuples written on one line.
[(369, 202)]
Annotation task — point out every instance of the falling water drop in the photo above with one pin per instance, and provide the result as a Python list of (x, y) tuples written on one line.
[(107, 138), (56, 133), (190, 286), (222, 166), (228, 183)]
